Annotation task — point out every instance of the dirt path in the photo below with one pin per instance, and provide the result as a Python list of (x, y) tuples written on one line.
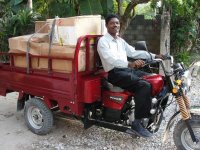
[(13, 131)]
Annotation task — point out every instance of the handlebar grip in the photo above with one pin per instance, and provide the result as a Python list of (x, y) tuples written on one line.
[(166, 57)]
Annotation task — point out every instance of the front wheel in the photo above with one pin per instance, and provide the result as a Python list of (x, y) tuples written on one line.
[(38, 116), (182, 138)]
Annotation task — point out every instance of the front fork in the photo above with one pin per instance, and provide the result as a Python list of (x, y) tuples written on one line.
[(184, 106)]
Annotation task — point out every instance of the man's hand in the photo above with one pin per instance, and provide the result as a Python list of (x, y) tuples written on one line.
[(160, 56), (136, 64)]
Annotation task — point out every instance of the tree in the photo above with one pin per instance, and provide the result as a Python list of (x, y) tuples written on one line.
[(30, 4), (15, 20), (129, 13), (184, 23), (67, 8)]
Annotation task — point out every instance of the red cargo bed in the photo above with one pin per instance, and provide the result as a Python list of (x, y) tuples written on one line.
[(66, 90)]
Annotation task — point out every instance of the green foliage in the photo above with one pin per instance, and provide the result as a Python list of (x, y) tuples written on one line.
[(107, 6), (146, 10), (184, 19), (88, 7), (51, 8), (67, 8), (14, 25), (17, 5), (124, 5), (183, 56), (2, 8)]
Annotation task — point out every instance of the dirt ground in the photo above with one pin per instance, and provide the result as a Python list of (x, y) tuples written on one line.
[(66, 134), (13, 131), (14, 134)]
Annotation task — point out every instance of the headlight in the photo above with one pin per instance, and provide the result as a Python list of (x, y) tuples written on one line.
[(186, 81)]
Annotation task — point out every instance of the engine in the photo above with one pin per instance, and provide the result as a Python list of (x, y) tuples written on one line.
[(113, 103), (118, 104), (129, 114)]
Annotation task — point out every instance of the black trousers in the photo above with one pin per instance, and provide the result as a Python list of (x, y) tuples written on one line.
[(130, 79)]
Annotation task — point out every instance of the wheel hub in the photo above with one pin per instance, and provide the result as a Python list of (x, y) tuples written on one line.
[(187, 140), (35, 117)]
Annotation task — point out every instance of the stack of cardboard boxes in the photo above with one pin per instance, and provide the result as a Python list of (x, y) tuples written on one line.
[(66, 33)]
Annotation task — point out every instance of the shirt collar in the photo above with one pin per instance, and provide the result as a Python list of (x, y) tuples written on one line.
[(110, 38)]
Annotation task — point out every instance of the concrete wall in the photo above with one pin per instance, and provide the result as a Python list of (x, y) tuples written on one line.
[(145, 30)]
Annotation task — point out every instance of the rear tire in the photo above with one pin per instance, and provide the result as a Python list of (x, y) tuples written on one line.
[(38, 117), (182, 138)]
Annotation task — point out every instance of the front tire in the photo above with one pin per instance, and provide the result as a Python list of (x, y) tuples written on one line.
[(182, 138), (38, 117)]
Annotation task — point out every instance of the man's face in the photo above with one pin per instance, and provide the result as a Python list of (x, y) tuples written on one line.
[(113, 26)]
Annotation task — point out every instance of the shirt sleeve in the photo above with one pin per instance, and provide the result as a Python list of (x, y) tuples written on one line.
[(137, 54), (109, 56)]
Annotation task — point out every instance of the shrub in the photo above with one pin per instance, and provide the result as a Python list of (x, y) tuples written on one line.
[(15, 25)]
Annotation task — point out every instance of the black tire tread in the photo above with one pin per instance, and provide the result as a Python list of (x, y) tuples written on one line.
[(180, 126), (47, 116)]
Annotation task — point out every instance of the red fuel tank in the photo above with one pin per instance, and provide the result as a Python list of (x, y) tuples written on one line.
[(156, 82)]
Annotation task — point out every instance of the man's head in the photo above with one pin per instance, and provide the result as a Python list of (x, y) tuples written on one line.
[(113, 24)]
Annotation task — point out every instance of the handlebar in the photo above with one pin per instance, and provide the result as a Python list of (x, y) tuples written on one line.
[(161, 61), (167, 57)]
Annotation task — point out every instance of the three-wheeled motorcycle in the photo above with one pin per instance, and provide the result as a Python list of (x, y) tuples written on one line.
[(89, 97)]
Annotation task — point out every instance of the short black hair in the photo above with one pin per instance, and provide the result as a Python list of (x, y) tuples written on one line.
[(110, 16)]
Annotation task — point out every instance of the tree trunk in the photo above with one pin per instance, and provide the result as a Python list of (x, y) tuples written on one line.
[(30, 4), (129, 14), (127, 17), (120, 8), (194, 41), (77, 9)]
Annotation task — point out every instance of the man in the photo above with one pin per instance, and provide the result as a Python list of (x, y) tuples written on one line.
[(113, 52)]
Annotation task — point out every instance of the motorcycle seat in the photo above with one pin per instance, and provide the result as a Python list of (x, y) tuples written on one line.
[(109, 86)]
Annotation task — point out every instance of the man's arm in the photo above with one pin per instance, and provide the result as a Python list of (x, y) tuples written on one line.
[(137, 54)]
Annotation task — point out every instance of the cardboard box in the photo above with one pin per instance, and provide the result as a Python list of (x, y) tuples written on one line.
[(103, 27), (21, 42), (42, 27), (68, 30), (39, 47), (20, 61), (65, 66)]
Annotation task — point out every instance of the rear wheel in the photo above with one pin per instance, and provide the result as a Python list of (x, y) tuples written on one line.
[(38, 116), (182, 136)]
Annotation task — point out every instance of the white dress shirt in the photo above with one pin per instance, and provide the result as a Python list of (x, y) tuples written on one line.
[(113, 52)]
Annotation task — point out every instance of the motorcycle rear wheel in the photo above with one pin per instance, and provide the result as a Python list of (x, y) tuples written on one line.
[(181, 135)]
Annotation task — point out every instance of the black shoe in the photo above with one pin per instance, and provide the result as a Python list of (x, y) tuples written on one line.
[(140, 130)]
